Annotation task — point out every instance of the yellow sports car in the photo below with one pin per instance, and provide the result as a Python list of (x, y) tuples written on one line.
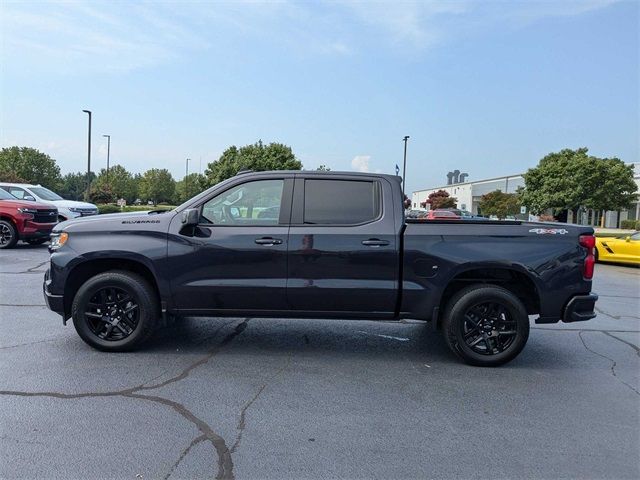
[(619, 249)]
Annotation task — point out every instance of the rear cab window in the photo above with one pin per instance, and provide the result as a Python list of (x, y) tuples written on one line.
[(341, 202)]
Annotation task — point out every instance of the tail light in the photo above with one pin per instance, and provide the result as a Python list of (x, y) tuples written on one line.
[(588, 242)]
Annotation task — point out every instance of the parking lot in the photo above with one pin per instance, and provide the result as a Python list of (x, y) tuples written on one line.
[(253, 398)]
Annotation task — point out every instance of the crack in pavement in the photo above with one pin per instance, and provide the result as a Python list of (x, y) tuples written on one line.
[(583, 330), (613, 364), (617, 296), (183, 454), (191, 366), (616, 317), (225, 463), (242, 421), (635, 347), (31, 343), (32, 270), (22, 305)]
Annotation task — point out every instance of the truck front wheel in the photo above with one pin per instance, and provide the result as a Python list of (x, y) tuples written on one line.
[(8, 234), (486, 325), (115, 311)]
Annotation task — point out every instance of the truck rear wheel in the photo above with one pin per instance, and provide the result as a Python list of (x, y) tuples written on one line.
[(115, 311), (486, 325)]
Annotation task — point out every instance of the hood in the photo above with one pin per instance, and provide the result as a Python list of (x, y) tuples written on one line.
[(72, 204), (113, 222), (17, 203)]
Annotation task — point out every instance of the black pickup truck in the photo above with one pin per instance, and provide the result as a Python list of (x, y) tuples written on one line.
[(323, 245)]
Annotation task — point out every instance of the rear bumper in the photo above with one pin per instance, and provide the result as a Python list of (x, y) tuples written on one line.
[(580, 308)]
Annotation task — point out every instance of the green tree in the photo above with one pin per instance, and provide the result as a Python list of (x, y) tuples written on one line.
[(31, 165), (119, 182), (499, 204), (101, 195), (74, 185), (440, 199), (190, 186), (11, 177), (258, 157), (157, 185), (570, 179)]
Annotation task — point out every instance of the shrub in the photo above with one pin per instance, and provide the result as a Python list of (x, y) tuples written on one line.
[(627, 224), (108, 209), (546, 218)]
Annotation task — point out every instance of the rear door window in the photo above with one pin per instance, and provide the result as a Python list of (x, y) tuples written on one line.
[(340, 202), (18, 192)]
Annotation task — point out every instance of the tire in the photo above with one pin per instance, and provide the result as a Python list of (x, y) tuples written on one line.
[(8, 234), (37, 241), (115, 311), (486, 325), (597, 255)]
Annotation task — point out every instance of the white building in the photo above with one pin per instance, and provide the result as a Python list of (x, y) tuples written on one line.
[(468, 196)]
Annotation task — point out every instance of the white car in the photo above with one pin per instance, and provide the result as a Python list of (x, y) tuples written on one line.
[(67, 209)]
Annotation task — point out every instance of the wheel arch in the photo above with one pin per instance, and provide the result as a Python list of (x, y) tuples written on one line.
[(9, 219), (515, 278), (87, 269)]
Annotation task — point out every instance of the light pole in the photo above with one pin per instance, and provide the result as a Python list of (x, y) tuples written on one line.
[(186, 180), (404, 165), (108, 151), (88, 154)]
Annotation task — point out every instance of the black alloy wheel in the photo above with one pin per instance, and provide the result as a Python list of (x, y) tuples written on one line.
[(115, 311), (8, 234), (486, 325), (112, 314), (488, 328)]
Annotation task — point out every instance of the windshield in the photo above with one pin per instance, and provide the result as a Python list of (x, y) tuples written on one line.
[(4, 195), (45, 193)]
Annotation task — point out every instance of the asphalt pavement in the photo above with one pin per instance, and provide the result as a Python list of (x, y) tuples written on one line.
[(253, 398)]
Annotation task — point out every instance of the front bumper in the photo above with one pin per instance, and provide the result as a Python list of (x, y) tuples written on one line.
[(54, 302), (580, 308), (34, 230)]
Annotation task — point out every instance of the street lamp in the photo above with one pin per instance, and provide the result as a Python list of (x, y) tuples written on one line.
[(186, 179), (108, 151), (88, 154), (404, 166)]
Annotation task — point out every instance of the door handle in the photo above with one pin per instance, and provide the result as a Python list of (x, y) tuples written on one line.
[(268, 241), (374, 242)]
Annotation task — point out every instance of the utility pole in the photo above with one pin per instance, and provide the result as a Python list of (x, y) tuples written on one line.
[(88, 155), (404, 167), (108, 151)]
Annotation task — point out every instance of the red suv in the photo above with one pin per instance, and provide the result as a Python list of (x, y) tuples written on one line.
[(442, 215), (24, 220)]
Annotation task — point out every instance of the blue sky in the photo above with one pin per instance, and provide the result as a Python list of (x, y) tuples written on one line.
[(485, 87)]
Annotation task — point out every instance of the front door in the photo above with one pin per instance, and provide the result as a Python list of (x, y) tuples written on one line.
[(236, 258)]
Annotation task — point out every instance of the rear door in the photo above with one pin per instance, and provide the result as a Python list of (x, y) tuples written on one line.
[(343, 252)]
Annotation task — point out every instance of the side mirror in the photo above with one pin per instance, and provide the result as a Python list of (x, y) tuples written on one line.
[(191, 216), (29, 198), (627, 238)]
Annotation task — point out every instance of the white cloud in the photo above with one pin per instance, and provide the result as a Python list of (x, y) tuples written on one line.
[(99, 36), (360, 163)]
